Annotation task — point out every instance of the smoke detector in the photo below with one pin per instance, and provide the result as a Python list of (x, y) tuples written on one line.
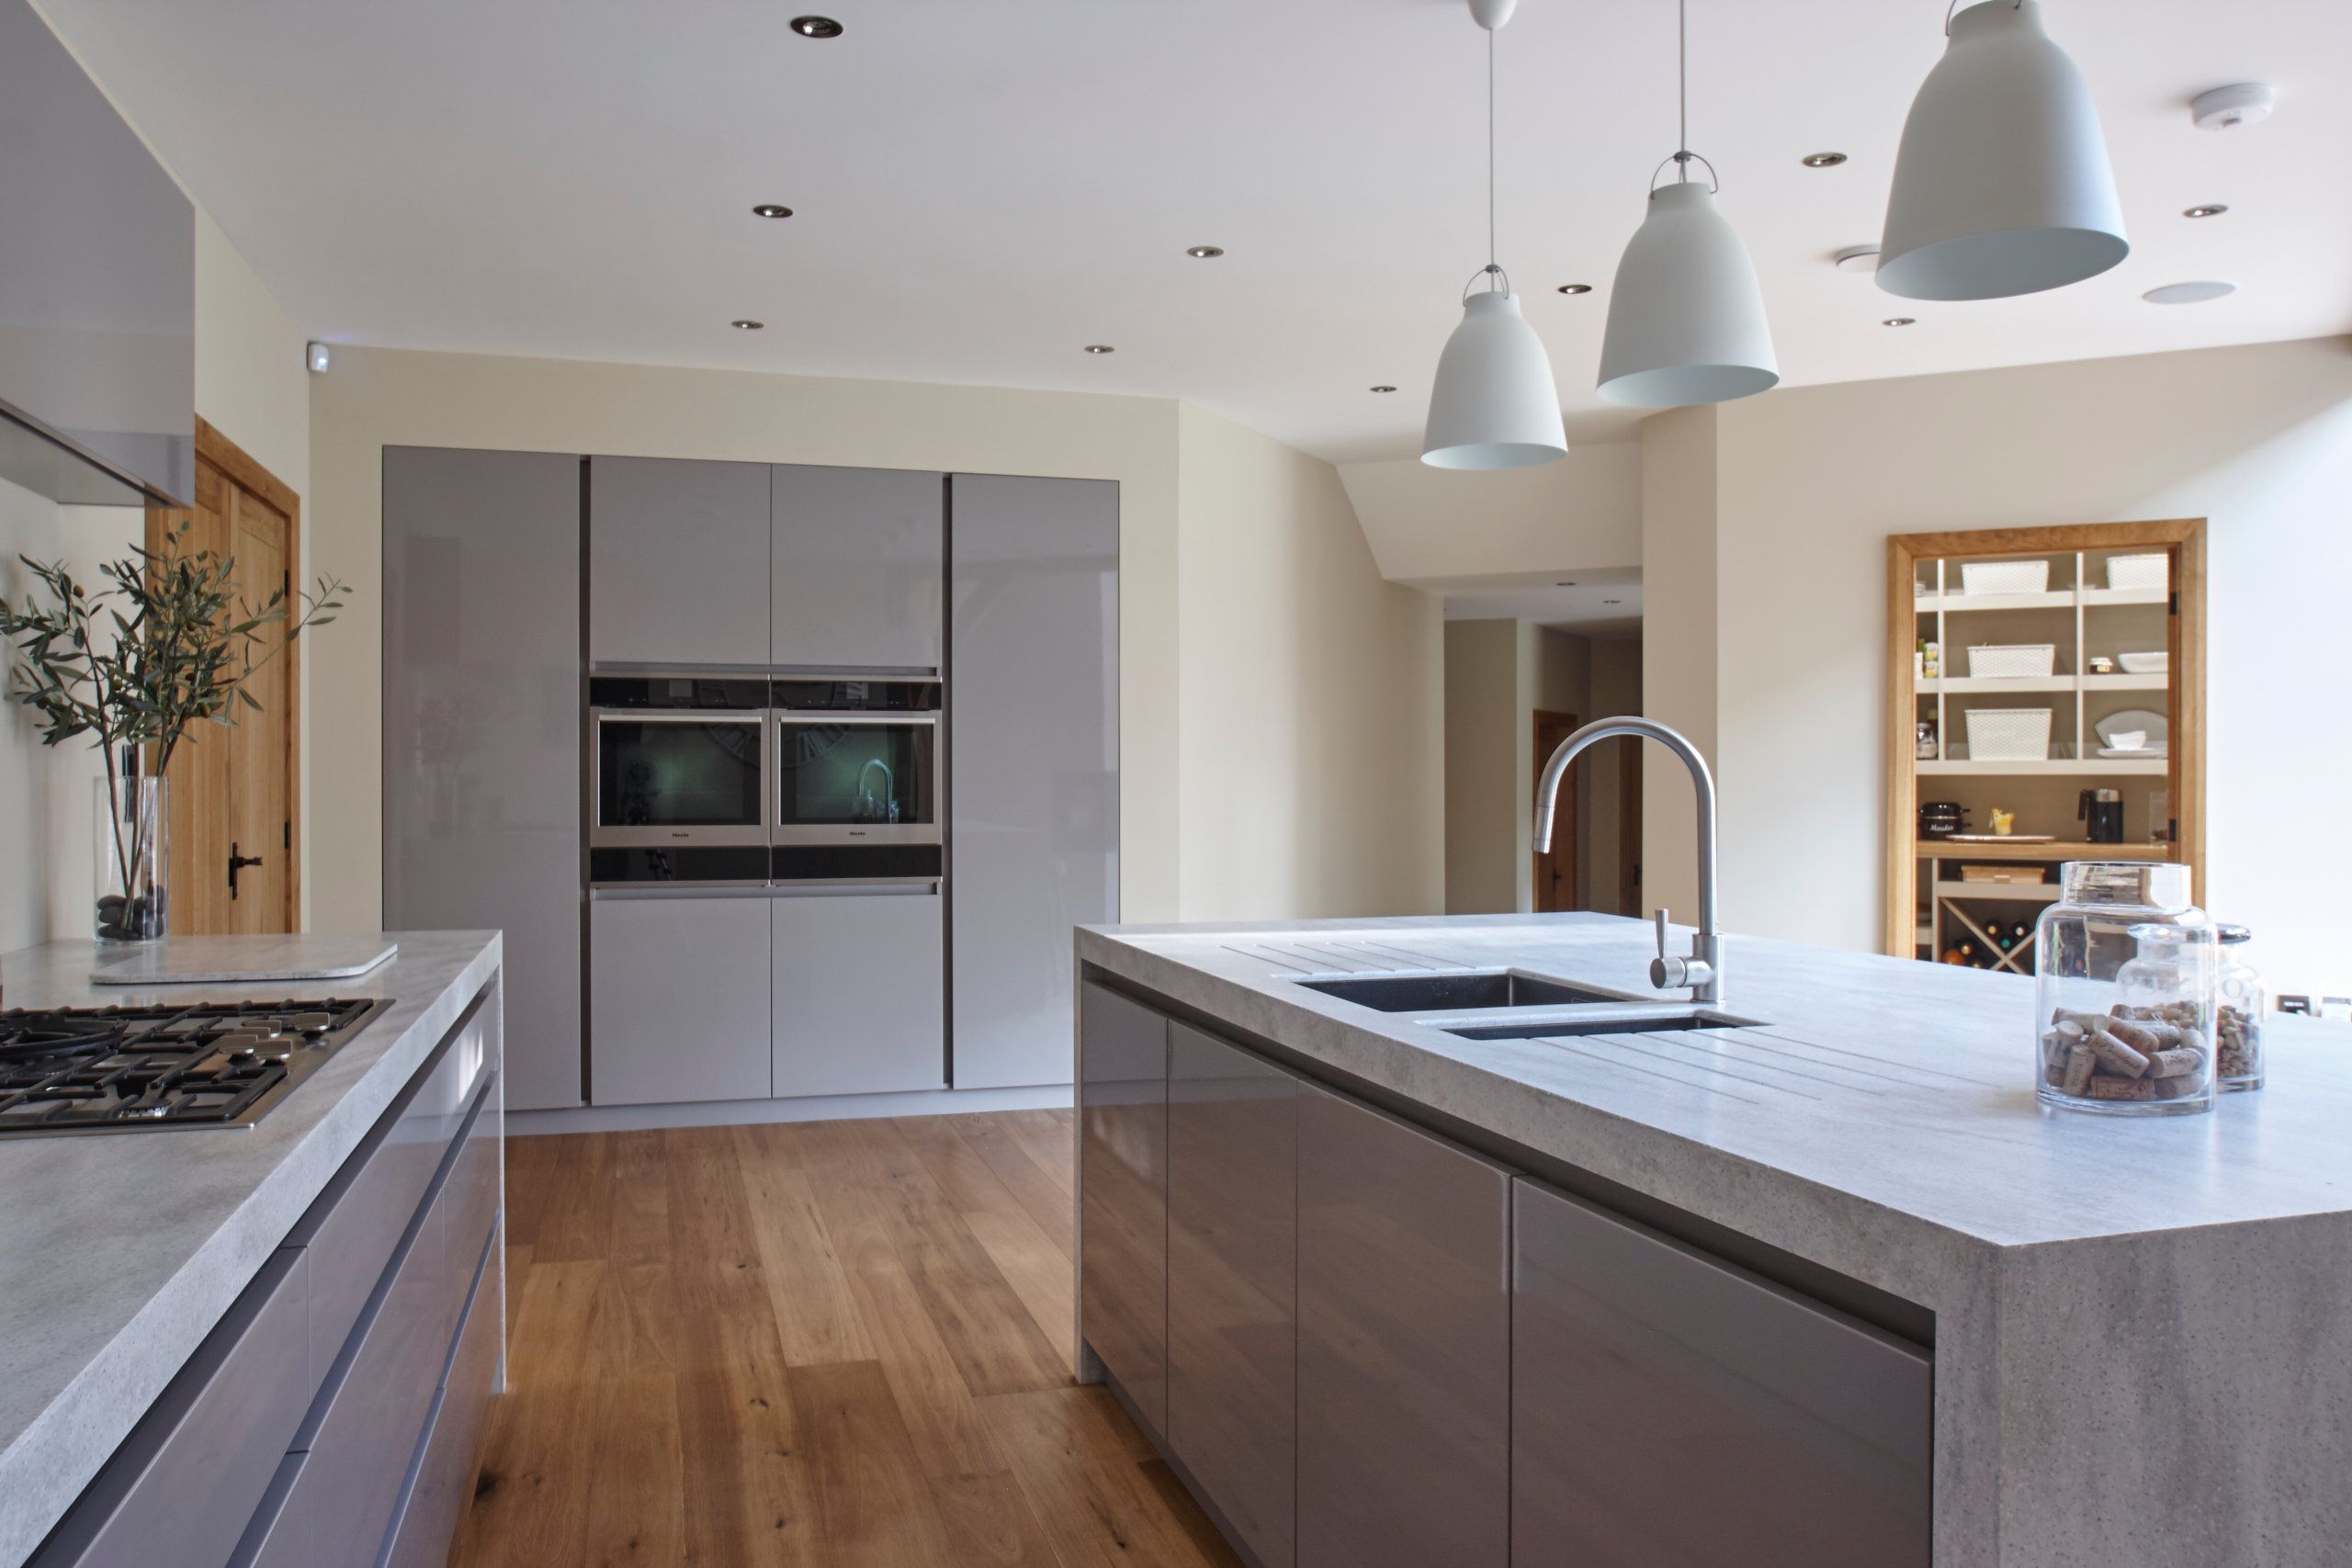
[(1858, 258), (2226, 109)]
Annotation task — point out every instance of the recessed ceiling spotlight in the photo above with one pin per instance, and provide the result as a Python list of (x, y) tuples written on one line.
[(1823, 159), (1570, 582), (2205, 210), (771, 209), (1575, 288), (2226, 109), (1100, 348), (745, 324), (1857, 258), (2190, 293), (1384, 389), (1612, 601), (816, 26), (1899, 322), (1204, 252)]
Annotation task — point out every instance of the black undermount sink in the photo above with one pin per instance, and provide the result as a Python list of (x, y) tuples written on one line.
[(1455, 993)]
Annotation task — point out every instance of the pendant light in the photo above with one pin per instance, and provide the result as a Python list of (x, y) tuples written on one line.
[(2002, 185), (1495, 404), (1686, 318)]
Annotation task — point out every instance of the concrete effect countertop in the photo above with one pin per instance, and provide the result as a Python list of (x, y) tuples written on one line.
[(118, 1252), (2095, 1281)]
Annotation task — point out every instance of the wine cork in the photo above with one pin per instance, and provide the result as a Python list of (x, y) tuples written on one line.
[(2117, 1059), (2185, 1086), (2079, 1065), (2145, 1038), (2123, 1088), (2174, 1063)]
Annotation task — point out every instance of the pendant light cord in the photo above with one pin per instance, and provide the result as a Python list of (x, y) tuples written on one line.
[(1681, 90), (1492, 264)]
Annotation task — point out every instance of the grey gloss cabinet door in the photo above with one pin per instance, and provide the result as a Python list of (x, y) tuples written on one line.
[(678, 561), (1123, 1177), (859, 560), (1672, 1411), (1403, 1344), (481, 731), (1232, 1276), (678, 997), (859, 1001), (1033, 771)]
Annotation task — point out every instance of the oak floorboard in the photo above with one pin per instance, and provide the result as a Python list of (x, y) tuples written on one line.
[(802, 1347), (1046, 1202)]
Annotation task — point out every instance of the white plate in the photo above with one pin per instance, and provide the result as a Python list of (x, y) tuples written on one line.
[(2156, 663), (2153, 724), (2153, 753)]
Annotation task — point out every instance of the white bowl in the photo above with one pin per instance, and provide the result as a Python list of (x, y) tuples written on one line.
[(2126, 740), (2156, 663)]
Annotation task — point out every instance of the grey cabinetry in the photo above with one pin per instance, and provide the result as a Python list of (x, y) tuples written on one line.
[(1033, 771), (98, 288), (1672, 1411), (1404, 1345), (481, 731), (1123, 1216), (858, 1004), (1232, 1276), (678, 997), (858, 560), (678, 558)]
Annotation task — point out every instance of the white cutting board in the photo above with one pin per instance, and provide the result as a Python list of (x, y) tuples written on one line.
[(234, 960)]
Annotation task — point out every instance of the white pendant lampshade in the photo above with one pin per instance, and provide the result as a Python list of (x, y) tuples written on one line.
[(1495, 405), (2002, 185), (1686, 316)]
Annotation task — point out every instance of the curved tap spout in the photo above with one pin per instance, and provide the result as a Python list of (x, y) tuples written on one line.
[(1702, 971)]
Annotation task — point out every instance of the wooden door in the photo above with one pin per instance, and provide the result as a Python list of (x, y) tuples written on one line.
[(1556, 872), (234, 787)]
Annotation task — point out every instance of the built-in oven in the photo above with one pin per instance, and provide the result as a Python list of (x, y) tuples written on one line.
[(679, 783), (857, 779)]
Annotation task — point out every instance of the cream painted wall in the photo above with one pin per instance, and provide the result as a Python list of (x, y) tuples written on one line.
[(375, 398), (1428, 524), (1481, 759), (1679, 620), (30, 525), (1310, 695), (1810, 482)]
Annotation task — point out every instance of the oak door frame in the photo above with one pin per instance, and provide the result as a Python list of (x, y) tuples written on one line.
[(2182, 539), (240, 467)]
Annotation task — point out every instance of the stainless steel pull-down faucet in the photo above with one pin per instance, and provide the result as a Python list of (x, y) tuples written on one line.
[(1703, 970)]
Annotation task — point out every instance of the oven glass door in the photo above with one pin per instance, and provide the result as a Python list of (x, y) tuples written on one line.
[(668, 778), (844, 777)]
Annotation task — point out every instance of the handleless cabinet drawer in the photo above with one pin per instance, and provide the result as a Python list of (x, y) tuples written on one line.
[(429, 1516), (363, 1430), (184, 1484), (353, 1229), (472, 1197)]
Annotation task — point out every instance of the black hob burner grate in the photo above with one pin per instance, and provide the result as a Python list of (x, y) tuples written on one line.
[(123, 1070)]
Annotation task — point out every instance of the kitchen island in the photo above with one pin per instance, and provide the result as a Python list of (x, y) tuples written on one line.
[(1811, 1281), (256, 1340)]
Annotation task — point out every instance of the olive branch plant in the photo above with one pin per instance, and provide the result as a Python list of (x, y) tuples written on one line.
[(167, 641)]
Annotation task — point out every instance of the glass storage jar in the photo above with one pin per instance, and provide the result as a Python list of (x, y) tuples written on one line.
[(2125, 974), (2237, 1026)]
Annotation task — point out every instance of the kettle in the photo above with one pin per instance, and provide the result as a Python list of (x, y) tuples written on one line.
[(2103, 810)]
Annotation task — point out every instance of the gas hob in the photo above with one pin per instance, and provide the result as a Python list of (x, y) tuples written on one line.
[(135, 1069)]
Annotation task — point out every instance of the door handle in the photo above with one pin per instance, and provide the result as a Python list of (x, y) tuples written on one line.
[(236, 863)]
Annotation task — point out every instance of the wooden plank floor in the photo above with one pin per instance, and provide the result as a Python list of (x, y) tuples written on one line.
[(828, 1343)]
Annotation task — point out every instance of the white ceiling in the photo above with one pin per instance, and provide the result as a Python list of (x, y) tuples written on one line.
[(1603, 603), (986, 186)]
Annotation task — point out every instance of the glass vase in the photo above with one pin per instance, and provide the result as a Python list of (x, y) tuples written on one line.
[(133, 872), (2124, 976)]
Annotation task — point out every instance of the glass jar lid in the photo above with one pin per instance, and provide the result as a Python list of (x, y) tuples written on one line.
[(2138, 884), (2233, 935)]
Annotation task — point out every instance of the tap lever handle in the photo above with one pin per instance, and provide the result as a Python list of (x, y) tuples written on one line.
[(1660, 915)]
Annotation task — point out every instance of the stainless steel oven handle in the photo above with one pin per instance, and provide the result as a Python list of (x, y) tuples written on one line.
[(601, 891), (818, 887), (855, 716), (676, 715)]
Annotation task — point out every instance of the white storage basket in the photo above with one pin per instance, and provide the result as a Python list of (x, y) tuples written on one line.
[(2008, 735), (2016, 661), (2005, 577), (2138, 571)]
